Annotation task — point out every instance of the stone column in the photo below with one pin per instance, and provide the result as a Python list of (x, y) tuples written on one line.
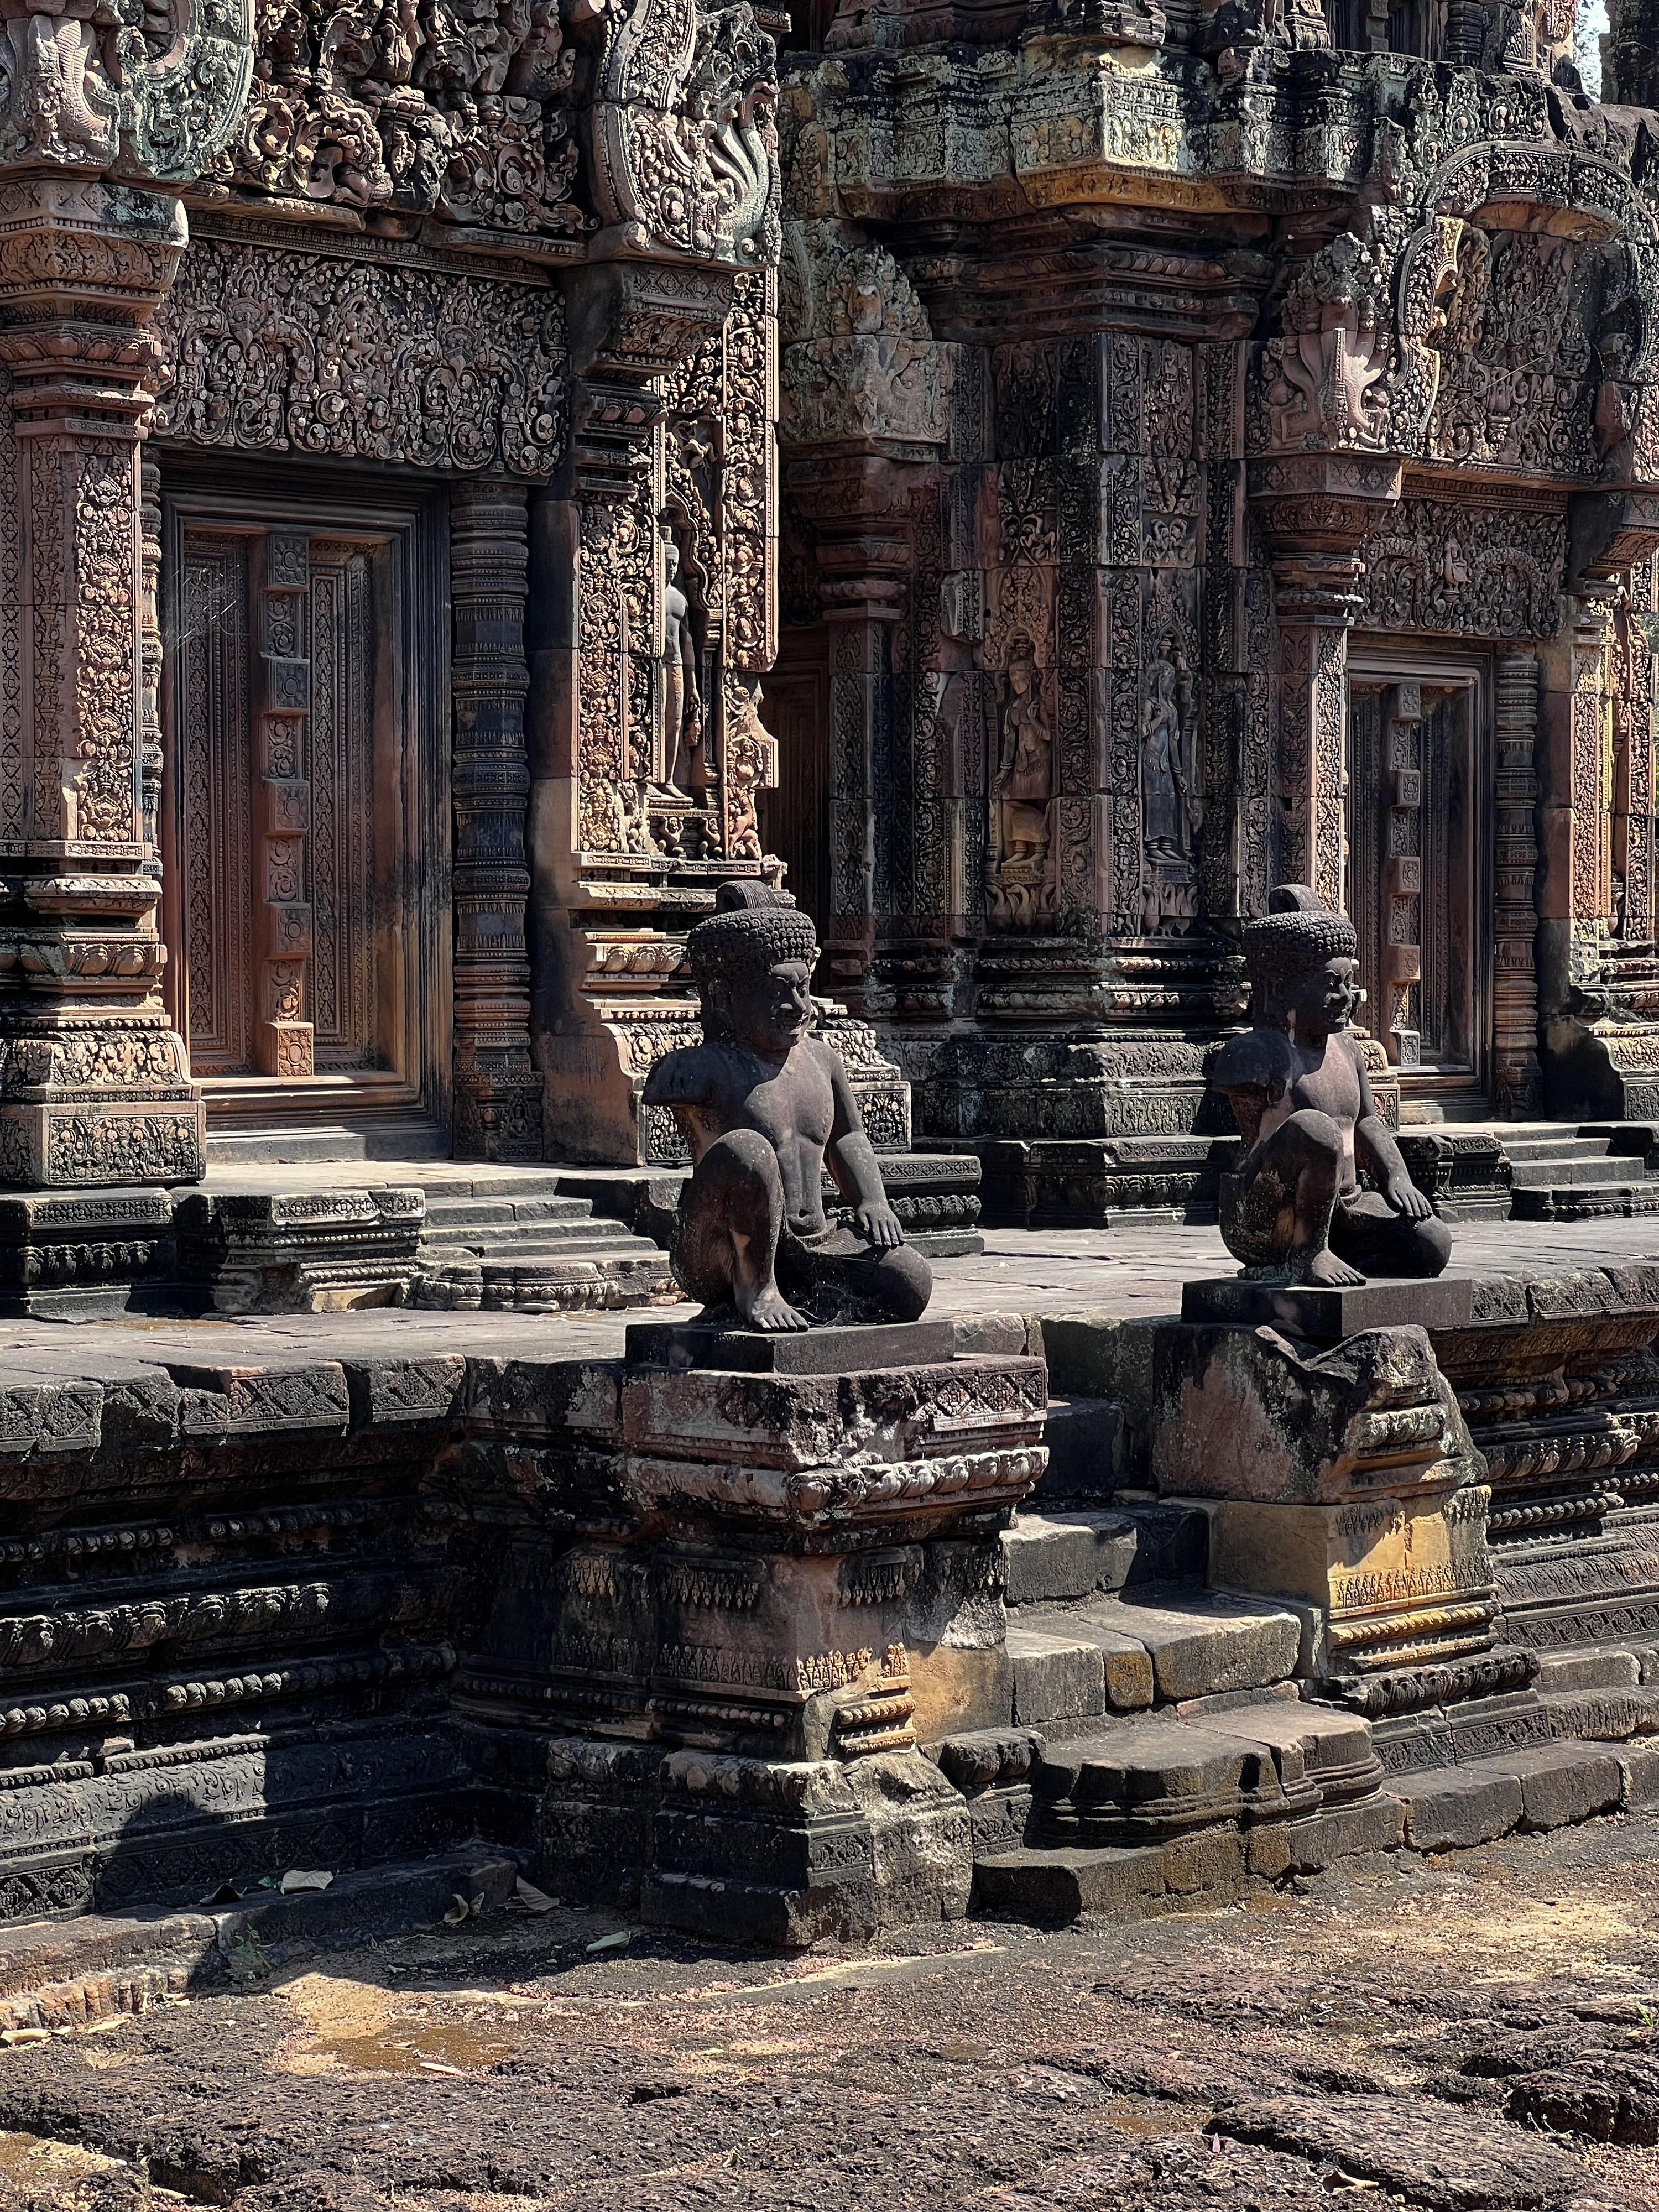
[(498, 1106), (93, 1082), (1315, 509), (1517, 1080), (858, 506)]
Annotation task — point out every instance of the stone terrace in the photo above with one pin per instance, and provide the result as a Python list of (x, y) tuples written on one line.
[(1131, 1272)]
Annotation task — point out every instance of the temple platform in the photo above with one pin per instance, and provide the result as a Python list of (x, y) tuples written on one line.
[(1075, 1606)]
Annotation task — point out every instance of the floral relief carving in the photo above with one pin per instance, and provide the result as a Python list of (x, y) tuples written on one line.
[(684, 135), (456, 108), (290, 352), (148, 95)]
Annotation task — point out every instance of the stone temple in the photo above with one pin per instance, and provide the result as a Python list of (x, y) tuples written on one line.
[(483, 482)]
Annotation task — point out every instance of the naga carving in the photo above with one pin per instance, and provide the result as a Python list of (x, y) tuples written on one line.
[(684, 131), (145, 95)]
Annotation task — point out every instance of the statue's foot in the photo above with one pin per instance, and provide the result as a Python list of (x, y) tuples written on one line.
[(1327, 1273), (768, 1310)]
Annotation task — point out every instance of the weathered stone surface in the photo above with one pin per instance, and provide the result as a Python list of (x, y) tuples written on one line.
[(1126, 1659), (1447, 2161), (1047, 1555), (1564, 1782), (678, 1345), (1325, 1315), (1449, 1810), (1054, 1680), (1198, 1644)]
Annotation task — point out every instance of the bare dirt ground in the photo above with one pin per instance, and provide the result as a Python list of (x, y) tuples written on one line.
[(1478, 2032)]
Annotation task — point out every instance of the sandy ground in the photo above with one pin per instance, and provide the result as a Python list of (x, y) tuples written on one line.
[(1457, 2034)]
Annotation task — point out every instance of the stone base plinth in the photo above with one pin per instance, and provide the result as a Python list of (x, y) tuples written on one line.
[(1325, 1315), (1343, 1479), (746, 1850), (74, 1255), (318, 1251), (682, 1346), (1389, 1582)]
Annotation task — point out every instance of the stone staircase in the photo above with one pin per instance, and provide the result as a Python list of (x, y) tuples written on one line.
[(518, 1241), (1161, 1756), (1578, 1174)]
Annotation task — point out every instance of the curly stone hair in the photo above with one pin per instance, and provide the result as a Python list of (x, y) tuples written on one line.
[(1297, 933), (753, 929)]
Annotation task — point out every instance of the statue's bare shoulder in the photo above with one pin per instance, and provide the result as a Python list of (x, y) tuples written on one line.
[(688, 1077), (1260, 1059)]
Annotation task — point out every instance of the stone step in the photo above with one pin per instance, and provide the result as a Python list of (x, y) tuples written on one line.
[(1557, 1145), (1588, 1666), (1547, 1786), (1568, 1168), (535, 1236), (1585, 1201), (1052, 1884), (444, 1214), (1061, 1552), (1122, 1655)]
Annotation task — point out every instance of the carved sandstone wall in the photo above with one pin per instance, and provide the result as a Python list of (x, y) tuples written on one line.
[(1132, 365)]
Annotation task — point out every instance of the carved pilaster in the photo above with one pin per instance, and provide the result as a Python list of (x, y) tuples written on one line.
[(1633, 795), (95, 1088), (1402, 870), (1517, 1082), (498, 1108), (1315, 509), (149, 658), (655, 565), (284, 1037), (858, 506)]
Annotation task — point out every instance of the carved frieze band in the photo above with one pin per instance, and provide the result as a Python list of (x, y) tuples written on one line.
[(353, 360)]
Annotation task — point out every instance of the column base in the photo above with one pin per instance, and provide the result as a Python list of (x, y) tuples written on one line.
[(81, 1139)]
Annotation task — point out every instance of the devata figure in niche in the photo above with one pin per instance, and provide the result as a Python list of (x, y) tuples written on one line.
[(1295, 1212), (1019, 878), (765, 1108), (681, 696)]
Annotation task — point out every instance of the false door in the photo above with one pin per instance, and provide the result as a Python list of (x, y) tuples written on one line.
[(285, 782), (1414, 827)]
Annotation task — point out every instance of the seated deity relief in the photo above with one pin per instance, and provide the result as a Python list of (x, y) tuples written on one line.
[(765, 1107), (1295, 1212)]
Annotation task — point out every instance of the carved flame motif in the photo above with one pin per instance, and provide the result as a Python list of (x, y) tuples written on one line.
[(146, 95), (684, 138)]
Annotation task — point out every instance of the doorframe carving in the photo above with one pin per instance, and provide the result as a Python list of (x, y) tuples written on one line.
[(200, 492), (1372, 660)]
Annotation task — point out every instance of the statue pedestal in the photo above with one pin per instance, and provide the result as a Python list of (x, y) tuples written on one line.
[(1343, 1477), (811, 1587), (1325, 1316)]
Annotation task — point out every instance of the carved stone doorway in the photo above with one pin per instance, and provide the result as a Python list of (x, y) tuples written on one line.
[(303, 834), (1419, 832)]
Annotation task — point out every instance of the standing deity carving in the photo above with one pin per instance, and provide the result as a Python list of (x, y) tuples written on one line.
[(684, 768), (1171, 811), (1019, 862)]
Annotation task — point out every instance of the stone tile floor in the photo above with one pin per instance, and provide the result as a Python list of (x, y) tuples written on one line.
[(1131, 1271), (1475, 2033)]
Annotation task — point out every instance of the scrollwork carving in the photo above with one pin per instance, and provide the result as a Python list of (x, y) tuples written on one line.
[(355, 359), (455, 107), (684, 136)]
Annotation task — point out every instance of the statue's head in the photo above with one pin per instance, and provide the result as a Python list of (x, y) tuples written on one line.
[(752, 963), (1303, 974), (671, 556)]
